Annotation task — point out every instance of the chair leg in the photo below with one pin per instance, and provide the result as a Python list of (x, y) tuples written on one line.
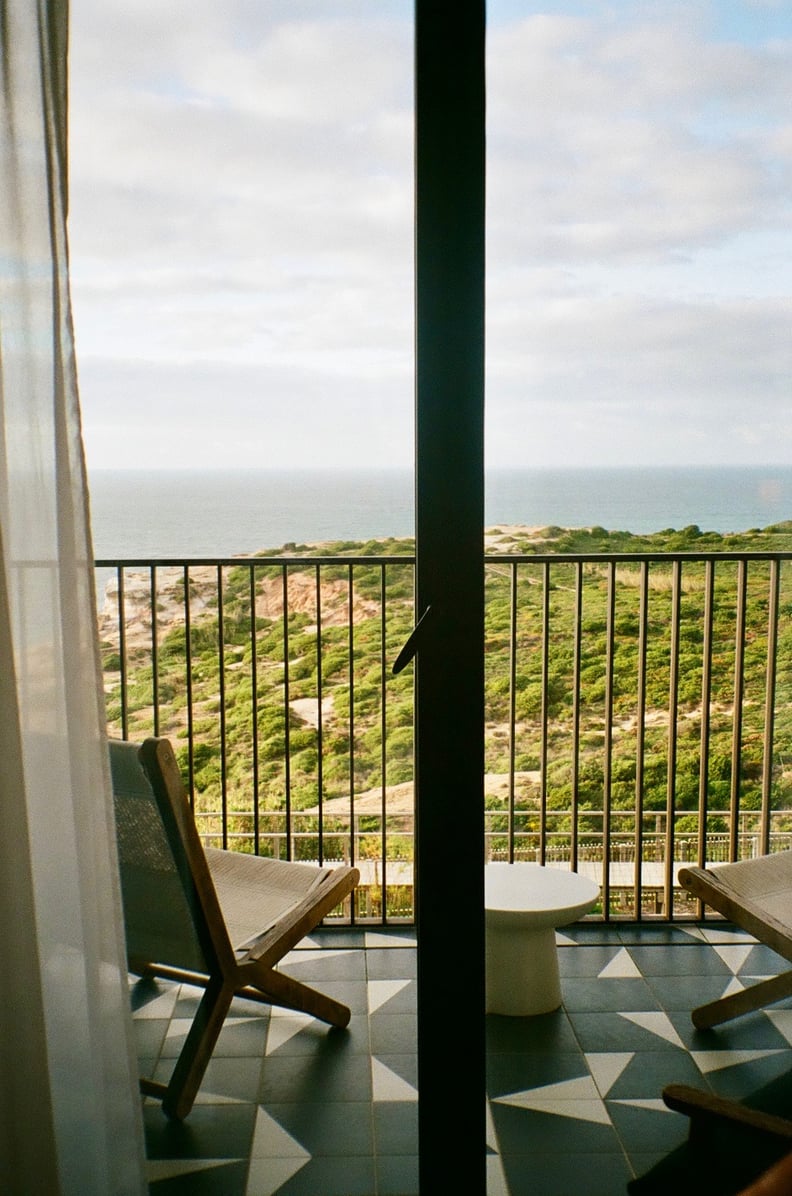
[(279, 989), (755, 997), (197, 1050)]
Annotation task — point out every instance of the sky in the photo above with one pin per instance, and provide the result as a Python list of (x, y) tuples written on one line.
[(241, 232)]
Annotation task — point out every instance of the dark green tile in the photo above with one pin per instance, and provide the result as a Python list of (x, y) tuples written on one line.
[(647, 1074), (601, 1174), (325, 1077), (742, 1080), (719, 926), (528, 1132), (643, 1161), (238, 1039), (547, 1032), (330, 1129), (586, 961), (684, 959), (315, 1037), (393, 1033), (657, 935), (604, 994), (642, 1130), (404, 1001), (384, 963), (146, 991), (231, 1078), (352, 993), (397, 1175), (610, 1032), (320, 1177), (210, 1132), (149, 1035), (754, 1031), (588, 933), (396, 1127), (514, 1072), (188, 1000), (763, 961), (319, 967), (228, 1179), (404, 1066), (686, 992)]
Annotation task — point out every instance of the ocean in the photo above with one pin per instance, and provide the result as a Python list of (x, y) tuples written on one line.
[(180, 513)]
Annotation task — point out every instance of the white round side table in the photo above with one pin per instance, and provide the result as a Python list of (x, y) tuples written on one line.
[(524, 904)]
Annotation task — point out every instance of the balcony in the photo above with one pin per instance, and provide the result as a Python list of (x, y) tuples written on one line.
[(637, 718)]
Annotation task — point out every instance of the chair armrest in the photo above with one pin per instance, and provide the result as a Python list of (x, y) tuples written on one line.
[(698, 1105)]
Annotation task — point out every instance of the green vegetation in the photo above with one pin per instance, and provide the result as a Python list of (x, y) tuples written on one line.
[(578, 710)]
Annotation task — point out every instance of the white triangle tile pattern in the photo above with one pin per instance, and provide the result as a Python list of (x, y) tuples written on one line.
[(382, 991), (734, 956), (782, 1020), (577, 1098), (157, 1169), (607, 1067), (656, 1023), (621, 967), (388, 1086), (277, 1157), (709, 1061)]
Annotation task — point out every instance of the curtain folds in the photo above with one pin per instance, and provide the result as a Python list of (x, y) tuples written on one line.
[(69, 1111)]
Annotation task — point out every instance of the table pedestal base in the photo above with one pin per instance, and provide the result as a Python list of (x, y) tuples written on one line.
[(522, 971)]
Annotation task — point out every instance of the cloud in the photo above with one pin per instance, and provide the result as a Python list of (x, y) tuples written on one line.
[(140, 414), (612, 143), (242, 226)]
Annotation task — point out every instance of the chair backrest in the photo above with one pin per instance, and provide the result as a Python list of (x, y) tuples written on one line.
[(163, 914)]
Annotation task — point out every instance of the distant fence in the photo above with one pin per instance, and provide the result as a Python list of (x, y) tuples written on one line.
[(638, 709)]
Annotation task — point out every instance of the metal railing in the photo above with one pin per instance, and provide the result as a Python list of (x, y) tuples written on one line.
[(639, 709)]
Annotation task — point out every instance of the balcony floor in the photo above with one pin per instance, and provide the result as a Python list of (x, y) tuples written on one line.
[(574, 1096)]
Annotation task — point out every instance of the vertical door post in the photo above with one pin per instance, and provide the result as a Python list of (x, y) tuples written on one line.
[(450, 163)]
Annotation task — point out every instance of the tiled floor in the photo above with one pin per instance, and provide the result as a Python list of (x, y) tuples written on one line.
[(291, 1108)]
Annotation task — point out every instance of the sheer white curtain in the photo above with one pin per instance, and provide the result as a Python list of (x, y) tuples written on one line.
[(69, 1113)]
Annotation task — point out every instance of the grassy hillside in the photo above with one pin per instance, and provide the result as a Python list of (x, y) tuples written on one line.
[(317, 684)]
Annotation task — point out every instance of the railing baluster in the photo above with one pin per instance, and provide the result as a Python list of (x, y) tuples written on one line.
[(576, 716), (254, 704), (640, 737), (706, 701), (154, 652), (607, 766), (770, 699), (384, 743), (351, 676), (122, 653), (189, 686), (739, 677), (673, 727), (286, 714), (221, 680), (512, 700), (319, 713), (545, 715)]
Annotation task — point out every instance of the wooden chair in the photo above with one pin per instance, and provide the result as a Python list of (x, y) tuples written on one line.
[(732, 1142), (218, 919), (757, 896)]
